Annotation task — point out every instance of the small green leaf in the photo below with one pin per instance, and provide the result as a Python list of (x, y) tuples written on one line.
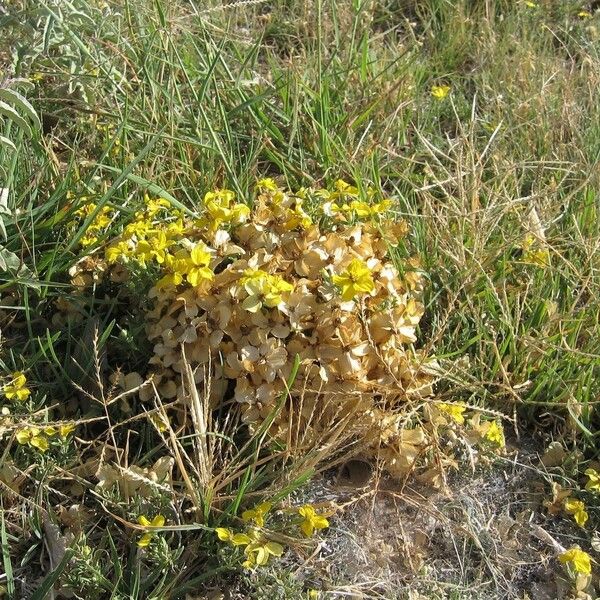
[(19, 101), (9, 112), (4, 141)]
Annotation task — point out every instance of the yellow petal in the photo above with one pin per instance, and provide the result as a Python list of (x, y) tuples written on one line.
[(144, 540), (158, 521), (40, 442), (23, 436), (224, 534), (66, 429)]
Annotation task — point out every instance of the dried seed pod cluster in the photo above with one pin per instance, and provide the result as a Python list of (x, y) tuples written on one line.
[(244, 294)]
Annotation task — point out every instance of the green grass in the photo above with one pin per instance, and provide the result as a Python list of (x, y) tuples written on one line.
[(178, 98)]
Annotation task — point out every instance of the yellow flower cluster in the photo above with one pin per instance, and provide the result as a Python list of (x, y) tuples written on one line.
[(495, 434), (38, 438), (258, 548), (16, 388), (344, 202), (534, 252), (98, 224), (242, 294), (148, 238)]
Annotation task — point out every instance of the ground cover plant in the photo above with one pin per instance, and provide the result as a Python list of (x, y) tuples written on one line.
[(299, 299)]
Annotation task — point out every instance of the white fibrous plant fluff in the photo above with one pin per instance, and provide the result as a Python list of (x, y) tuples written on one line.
[(244, 295)]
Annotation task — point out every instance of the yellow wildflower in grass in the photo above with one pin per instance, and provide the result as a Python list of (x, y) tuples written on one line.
[(34, 437), (153, 248), (117, 251), (157, 521), (356, 279), (296, 217), (455, 411), (311, 520), (593, 483), (257, 514), (197, 265), (235, 539), (65, 429), (439, 92), (579, 560), (577, 509), (221, 211), (178, 265), (155, 206), (530, 4), (259, 550), (263, 289), (267, 184), (342, 188), (139, 228), (17, 388), (584, 14), (495, 434), (98, 223), (175, 229), (534, 252)]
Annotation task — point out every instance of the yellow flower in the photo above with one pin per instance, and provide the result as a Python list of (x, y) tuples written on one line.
[(236, 539), (198, 270), (117, 251), (155, 206), (455, 411), (259, 550), (65, 429), (584, 14), (257, 514), (593, 483), (218, 206), (343, 188), (311, 520), (356, 279), (33, 436), (17, 388), (263, 288), (578, 559), (157, 521), (160, 421), (296, 217), (267, 185), (88, 239), (535, 253), (530, 4), (362, 209), (176, 229), (139, 228), (495, 434), (577, 509), (440, 91), (155, 247)]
